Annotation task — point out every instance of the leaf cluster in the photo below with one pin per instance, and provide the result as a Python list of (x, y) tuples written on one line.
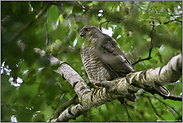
[(31, 91)]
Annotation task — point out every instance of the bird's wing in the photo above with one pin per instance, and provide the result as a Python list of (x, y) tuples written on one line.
[(113, 57)]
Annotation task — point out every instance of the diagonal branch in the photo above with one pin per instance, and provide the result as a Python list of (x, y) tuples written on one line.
[(121, 87)]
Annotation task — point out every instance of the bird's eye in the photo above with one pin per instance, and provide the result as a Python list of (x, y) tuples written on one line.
[(87, 29)]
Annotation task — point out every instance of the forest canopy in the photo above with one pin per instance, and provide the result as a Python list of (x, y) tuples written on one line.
[(150, 33)]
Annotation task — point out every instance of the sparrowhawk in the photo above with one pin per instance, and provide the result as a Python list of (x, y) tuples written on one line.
[(103, 58)]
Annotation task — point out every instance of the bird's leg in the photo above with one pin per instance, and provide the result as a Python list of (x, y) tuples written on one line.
[(97, 88), (106, 84), (103, 84)]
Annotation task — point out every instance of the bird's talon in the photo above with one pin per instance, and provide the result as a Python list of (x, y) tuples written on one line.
[(96, 89)]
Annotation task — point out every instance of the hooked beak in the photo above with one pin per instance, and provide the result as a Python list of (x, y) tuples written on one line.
[(81, 34)]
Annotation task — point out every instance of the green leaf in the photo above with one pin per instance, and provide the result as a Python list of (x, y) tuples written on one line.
[(43, 90), (95, 2), (36, 5), (145, 16), (72, 36), (77, 10), (53, 13), (160, 29), (28, 90), (39, 117), (48, 111)]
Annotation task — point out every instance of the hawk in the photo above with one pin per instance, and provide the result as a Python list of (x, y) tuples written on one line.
[(103, 58)]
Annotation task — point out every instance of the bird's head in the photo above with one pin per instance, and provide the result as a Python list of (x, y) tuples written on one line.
[(89, 31)]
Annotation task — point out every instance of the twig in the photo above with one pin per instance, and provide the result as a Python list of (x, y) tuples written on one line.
[(150, 50), (112, 7), (162, 102), (155, 109), (131, 106), (139, 7), (142, 59), (166, 97), (64, 106), (168, 106), (146, 11), (127, 112), (126, 9), (172, 21), (172, 98)]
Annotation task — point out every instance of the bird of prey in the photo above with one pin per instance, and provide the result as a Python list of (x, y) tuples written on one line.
[(103, 58)]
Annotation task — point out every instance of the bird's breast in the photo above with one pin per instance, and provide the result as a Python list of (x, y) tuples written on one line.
[(93, 66)]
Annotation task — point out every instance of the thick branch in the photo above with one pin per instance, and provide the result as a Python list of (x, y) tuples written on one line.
[(116, 88), (166, 74), (68, 73)]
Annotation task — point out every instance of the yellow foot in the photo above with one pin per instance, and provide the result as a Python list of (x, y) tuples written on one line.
[(96, 89)]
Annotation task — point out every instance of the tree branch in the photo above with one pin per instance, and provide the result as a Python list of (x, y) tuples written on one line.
[(121, 87), (150, 50), (172, 21), (64, 106)]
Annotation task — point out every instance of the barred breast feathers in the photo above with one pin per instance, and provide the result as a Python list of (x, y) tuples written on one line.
[(93, 66)]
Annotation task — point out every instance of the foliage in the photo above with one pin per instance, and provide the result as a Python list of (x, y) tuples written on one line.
[(31, 91)]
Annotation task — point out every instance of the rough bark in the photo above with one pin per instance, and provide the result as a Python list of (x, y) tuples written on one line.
[(113, 89)]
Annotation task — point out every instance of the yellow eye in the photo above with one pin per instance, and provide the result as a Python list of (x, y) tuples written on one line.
[(87, 29)]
